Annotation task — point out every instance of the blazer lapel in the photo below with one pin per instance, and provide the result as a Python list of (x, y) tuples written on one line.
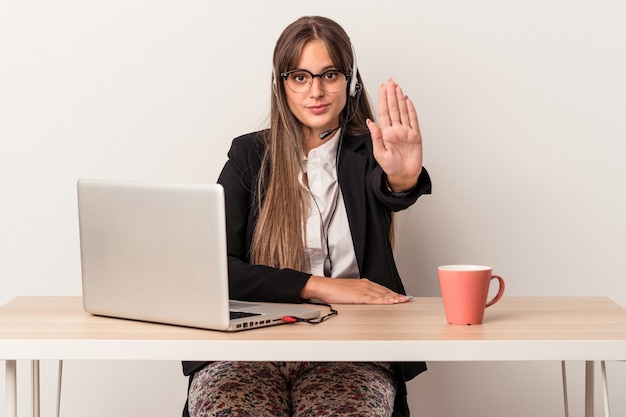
[(352, 168)]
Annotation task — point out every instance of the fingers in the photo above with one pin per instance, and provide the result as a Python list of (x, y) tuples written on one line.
[(388, 298), (403, 107), (412, 114), (383, 107), (393, 102), (394, 108), (377, 296)]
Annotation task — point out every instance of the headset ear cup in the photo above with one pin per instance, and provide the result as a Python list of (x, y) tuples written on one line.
[(354, 86)]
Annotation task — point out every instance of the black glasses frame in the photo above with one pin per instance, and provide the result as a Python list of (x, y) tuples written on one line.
[(286, 74)]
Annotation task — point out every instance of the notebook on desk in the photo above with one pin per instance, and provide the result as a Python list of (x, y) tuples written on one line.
[(157, 252)]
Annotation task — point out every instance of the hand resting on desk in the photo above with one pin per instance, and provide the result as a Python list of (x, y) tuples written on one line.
[(350, 291)]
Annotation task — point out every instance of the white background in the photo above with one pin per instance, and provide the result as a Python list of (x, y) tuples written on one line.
[(521, 104)]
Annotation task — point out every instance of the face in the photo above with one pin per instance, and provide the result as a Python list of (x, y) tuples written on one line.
[(316, 109)]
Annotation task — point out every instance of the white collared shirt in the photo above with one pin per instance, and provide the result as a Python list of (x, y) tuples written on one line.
[(325, 197)]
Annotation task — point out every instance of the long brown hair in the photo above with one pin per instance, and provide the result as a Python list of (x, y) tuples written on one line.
[(281, 197)]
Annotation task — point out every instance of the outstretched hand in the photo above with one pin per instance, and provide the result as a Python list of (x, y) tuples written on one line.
[(397, 141)]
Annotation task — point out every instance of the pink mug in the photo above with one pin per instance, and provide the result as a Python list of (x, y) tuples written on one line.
[(464, 289)]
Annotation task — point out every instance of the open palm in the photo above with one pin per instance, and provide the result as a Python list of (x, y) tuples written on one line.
[(397, 141)]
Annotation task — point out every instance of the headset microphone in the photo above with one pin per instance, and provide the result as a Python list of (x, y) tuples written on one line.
[(326, 134)]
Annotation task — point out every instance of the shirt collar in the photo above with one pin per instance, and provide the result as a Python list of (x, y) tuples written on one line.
[(327, 151)]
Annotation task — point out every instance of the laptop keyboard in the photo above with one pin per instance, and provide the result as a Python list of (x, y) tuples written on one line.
[(242, 314)]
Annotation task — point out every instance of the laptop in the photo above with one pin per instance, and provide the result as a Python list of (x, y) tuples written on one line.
[(157, 252)]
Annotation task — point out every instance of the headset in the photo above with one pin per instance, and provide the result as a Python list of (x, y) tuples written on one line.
[(355, 86)]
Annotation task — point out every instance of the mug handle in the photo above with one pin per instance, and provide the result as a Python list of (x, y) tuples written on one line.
[(500, 290)]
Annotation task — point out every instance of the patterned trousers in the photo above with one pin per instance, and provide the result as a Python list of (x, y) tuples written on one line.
[(298, 389)]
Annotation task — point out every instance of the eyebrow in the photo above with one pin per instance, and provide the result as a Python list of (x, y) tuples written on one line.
[(327, 68)]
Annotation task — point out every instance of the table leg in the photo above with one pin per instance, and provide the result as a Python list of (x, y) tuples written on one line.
[(589, 388), (565, 399), (59, 382), (11, 388), (605, 390), (35, 396)]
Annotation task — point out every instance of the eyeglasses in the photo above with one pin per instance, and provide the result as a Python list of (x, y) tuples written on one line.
[(301, 80)]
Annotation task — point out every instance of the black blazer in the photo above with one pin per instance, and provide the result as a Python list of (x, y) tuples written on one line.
[(369, 205)]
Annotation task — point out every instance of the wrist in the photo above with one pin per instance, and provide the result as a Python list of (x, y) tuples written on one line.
[(311, 288), (399, 189)]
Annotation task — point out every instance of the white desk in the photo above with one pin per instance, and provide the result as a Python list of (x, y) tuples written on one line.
[(516, 329)]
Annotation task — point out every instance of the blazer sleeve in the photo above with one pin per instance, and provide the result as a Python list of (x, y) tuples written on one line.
[(400, 201), (246, 281)]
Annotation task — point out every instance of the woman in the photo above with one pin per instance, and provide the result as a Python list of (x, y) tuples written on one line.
[(309, 207)]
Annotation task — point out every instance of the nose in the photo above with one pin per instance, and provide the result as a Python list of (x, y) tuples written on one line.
[(316, 87)]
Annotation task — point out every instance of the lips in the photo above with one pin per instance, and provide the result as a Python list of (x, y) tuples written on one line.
[(318, 109)]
